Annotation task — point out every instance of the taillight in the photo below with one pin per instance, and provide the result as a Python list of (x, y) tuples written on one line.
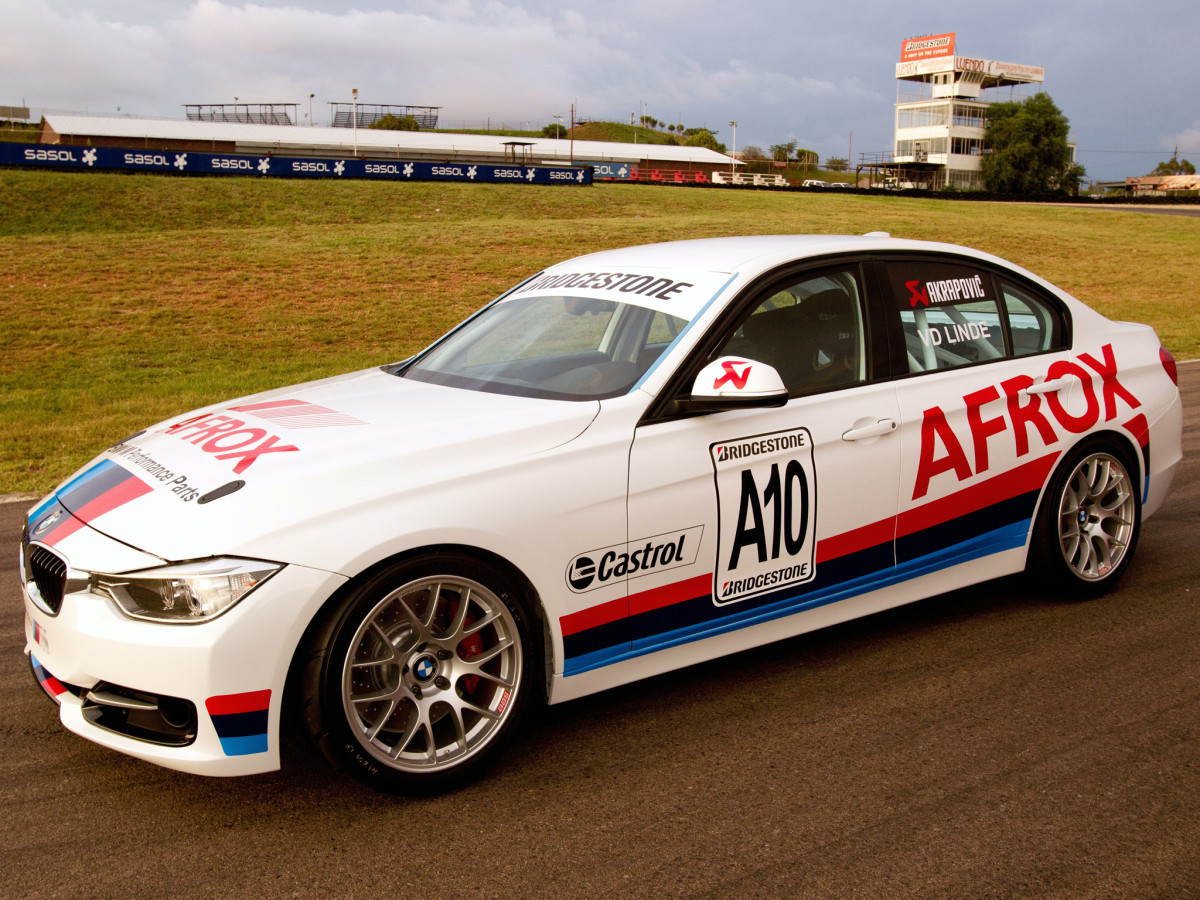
[(1168, 363)]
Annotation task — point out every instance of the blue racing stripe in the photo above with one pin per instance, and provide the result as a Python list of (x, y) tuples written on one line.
[(87, 475), (1007, 538), (244, 746)]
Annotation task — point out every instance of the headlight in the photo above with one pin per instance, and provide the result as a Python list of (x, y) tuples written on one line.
[(188, 592)]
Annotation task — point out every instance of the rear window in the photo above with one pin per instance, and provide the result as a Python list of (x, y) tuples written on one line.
[(953, 315)]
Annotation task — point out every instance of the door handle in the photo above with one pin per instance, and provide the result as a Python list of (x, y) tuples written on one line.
[(1048, 387), (875, 429)]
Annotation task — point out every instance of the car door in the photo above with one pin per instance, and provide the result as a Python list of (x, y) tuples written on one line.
[(769, 511), (980, 403)]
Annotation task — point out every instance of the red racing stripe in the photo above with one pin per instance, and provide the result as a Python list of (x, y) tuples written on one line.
[(270, 404), (1139, 428), (856, 539), (129, 489), (62, 530), (594, 616), (1012, 483), (670, 594), (230, 704)]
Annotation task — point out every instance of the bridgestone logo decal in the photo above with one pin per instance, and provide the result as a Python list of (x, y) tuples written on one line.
[(767, 507)]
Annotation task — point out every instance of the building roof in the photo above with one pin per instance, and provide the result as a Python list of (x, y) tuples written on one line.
[(989, 73), (308, 141)]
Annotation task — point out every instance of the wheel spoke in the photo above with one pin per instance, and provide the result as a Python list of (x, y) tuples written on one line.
[(435, 596), (387, 693), (486, 656), (478, 710), (382, 720), (479, 624), (454, 631)]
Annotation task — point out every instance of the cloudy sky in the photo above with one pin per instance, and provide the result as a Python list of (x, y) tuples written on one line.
[(817, 73)]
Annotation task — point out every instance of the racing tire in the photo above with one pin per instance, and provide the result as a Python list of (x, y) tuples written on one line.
[(1088, 524), (416, 681)]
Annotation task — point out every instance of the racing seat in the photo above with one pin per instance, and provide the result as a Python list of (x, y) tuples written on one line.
[(813, 344), (783, 338), (835, 327)]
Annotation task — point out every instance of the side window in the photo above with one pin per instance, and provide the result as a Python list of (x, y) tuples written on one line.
[(950, 314), (810, 331), (1035, 325)]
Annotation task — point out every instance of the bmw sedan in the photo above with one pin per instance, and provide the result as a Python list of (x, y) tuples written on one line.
[(630, 462)]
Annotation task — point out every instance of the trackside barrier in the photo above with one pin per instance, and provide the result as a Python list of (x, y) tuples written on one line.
[(746, 178), (58, 156), (669, 176)]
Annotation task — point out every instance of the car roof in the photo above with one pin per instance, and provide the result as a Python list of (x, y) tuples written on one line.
[(750, 254)]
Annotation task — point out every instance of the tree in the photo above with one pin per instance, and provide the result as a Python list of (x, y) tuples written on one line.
[(1025, 149), (392, 122), (782, 152), (1174, 166), (554, 131), (704, 138), (837, 163), (753, 152)]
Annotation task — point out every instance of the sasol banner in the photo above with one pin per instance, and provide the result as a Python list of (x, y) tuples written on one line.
[(58, 156), (618, 170)]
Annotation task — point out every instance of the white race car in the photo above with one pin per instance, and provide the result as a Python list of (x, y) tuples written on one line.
[(630, 462)]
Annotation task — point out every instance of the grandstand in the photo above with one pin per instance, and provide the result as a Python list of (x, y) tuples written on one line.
[(247, 113), (342, 115)]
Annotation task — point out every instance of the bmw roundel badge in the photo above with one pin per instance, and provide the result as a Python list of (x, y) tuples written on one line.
[(424, 668)]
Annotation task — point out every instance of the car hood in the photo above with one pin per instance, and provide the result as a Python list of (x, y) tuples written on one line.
[(212, 481)]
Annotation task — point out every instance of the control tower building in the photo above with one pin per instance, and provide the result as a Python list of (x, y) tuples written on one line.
[(941, 104)]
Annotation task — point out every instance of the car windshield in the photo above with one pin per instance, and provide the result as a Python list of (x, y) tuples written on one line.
[(556, 347)]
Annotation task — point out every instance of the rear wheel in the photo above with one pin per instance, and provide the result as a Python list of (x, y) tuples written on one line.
[(1089, 522), (417, 680)]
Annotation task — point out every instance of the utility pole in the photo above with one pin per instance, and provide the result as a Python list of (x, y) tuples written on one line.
[(354, 118), (732, 160)]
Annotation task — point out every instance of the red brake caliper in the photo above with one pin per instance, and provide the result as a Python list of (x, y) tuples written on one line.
[(468, 649)]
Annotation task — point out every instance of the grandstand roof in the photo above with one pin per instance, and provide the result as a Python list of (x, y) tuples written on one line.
[(312, 141)]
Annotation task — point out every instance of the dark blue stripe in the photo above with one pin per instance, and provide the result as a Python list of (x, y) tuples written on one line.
[(233, 725), (94, 483)]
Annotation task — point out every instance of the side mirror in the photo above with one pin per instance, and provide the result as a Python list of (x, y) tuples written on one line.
[(732, 382)]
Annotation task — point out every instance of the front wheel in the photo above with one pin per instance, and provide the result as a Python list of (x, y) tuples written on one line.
[(417, 680), (1089, 522)]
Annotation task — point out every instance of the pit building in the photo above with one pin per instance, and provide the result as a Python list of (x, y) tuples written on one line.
[(941, 104)]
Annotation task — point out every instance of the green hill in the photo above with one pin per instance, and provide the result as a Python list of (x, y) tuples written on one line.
[(620, 133)]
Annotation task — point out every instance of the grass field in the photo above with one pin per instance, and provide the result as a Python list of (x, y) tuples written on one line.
[(128, 298)]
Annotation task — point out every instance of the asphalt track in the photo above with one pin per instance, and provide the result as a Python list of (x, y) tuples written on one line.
[(984, 743)]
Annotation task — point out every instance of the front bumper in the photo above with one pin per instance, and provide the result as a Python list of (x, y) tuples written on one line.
[(129, 684)]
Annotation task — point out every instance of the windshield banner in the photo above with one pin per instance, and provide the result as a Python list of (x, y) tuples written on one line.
[(678, 293)]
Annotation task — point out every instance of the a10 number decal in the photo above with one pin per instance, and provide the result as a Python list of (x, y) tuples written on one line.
[(766, 498)]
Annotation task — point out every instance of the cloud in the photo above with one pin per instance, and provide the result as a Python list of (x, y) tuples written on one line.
[(1188, 141), (782, 73)]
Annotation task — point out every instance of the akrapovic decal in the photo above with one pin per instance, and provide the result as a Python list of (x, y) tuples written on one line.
[(948, 290), (599, 568), (766, 503)]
